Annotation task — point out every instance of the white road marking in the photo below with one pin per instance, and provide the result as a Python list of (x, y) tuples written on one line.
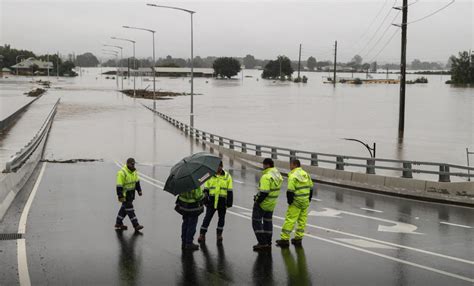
[(237, 181), (376, 240), (455, 224), (371, 210), (318, 200), (152, 183), (364, 243), (327, 212), (143, 175), (23, 273), (360, 236), (398, 227), (453, 275)]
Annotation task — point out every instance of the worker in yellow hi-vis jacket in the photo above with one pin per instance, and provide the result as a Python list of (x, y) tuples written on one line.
[(299, 194)]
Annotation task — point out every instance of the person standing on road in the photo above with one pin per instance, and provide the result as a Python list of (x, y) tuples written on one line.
[(127, 183), (264, 204), (189, 205), (219, 196), (299, 194)]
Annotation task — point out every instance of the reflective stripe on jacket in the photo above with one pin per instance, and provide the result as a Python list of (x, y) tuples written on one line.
[(270, 183), (218, 186), (300, 184), (190, 197), (127, 180)]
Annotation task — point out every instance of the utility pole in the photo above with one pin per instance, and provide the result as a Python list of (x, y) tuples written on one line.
[(57, 67), (335, 63), (403, 61), (299, 63)]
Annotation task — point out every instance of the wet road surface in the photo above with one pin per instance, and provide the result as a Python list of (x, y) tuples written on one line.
[(353, 238)]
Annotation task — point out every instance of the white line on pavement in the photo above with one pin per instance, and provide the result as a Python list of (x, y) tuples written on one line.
[(143, 175), (371, 210), (374, 253), (23, 272), (364, 237), (455, 224), (376, 240), (318, 200), (237, 181)]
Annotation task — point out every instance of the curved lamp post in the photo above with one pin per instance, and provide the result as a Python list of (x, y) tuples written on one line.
[(121, 57), (134, 62), (153, 66), (191, 119)]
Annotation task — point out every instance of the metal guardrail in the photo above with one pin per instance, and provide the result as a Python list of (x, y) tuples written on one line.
[(17, 160), (406, 168)]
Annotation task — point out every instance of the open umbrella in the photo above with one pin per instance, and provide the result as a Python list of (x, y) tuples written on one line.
[(191, 172)]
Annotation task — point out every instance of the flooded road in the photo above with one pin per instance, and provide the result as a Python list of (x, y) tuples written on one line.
[(354, 238)]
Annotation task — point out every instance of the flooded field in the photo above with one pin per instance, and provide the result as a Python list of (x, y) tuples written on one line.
[(313, 116)]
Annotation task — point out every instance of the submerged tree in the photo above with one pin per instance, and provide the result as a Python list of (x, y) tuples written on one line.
[(279, 68), (226, 67), (462, 70), (311, 63)]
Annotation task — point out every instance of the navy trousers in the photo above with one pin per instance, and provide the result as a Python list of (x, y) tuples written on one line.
[(127, 210), (210, 211), (188, 228), (262, 225)]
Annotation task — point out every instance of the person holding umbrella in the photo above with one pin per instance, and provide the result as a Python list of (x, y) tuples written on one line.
[(185, 180), (190, 206), (264, 204)]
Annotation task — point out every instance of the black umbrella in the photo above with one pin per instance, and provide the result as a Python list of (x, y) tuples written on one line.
[(191, 172)]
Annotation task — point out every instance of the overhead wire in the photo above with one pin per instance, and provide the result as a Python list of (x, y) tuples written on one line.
[(382, 36), (432, 13), (378, 29)]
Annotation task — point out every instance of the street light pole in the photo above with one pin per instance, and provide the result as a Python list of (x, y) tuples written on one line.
[(373, 149), (114, 53), (134, 67), (121, 58), (153, 65), (191, 118), (16, 61)]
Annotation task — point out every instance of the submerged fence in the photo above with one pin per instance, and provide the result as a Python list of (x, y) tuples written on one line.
[(405, 168)]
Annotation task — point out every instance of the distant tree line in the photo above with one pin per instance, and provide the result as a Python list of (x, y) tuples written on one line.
[(11, 55)]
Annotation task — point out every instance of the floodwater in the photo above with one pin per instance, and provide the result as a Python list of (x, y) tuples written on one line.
[(313, 116), (316, 116)]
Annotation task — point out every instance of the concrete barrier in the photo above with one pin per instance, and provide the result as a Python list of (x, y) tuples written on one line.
[(458, 193), (405, 186), (8, 121), (12, 183)]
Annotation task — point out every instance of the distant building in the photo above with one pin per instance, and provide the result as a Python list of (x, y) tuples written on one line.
[(6, 71), (32, 66)]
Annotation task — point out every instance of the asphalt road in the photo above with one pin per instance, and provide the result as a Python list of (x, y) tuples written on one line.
[(353, 238)]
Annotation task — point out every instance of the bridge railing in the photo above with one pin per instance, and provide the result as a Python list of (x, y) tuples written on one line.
[(404, 168), (17, 160)]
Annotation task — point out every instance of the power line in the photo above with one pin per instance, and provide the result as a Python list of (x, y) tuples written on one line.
[(378, 29), (371, 23), (432, 13), (383, 34), (386, 44)]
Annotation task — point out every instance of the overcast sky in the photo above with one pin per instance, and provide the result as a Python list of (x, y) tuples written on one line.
[(236, 28)]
